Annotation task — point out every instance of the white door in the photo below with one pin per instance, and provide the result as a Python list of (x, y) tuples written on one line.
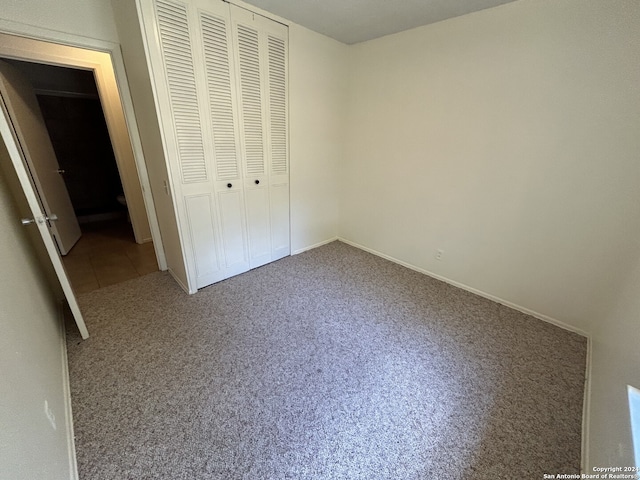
[(220, 84), (9, 130), (220, 75), (261, 56), (253, 133), (33, 137), (208, 194)]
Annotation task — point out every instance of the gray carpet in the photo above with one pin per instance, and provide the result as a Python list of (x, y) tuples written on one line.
[(332, 364)]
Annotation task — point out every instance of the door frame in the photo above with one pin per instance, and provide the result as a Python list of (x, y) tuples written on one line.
[(104, 59), (27, 42)]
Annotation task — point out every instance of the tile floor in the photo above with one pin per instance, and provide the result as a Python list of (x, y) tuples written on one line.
[(107, 254)]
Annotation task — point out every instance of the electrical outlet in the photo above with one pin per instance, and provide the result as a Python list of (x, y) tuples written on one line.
[(50, 416), (439, 254)]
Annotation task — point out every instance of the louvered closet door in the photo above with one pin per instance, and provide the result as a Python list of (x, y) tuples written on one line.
[(261, 60), (220, 83), (179, 72), (215, 30), (278, 138), (184, 122)]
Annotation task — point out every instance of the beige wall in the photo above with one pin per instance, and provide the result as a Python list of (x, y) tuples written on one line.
[(509, 139), (89, 24), (318, 97), (88, 18), (147, 121), (615, 364), (32, 356), (32, 352)]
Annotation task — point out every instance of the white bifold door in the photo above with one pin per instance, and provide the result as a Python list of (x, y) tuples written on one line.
[(220, 81)]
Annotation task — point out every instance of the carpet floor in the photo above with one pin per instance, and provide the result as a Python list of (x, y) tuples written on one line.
[(332, 364)]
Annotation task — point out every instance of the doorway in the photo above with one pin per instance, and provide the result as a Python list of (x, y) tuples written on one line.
[(104, 60), (107, 251)]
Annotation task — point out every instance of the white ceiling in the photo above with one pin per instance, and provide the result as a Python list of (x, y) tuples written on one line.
[(353, 21)]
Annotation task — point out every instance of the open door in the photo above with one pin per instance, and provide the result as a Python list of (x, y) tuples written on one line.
[(31, 132), (18, 122)]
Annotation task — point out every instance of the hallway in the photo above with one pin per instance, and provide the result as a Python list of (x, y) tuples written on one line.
[(107, 254)]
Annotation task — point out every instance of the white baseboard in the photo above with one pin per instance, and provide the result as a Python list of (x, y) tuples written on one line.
[(316, 245), (486, 295), (66, 391)]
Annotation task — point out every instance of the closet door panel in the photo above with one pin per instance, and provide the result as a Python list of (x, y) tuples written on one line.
[(280, 238), (171, 44), (277, 106), (220, 77), (258, 223), (220, 83), (277, 137), (177, 55), (222, 107), (251, 98), (201, 219), (231, 204), (262, 64)]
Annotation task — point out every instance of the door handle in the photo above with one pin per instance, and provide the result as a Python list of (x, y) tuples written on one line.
[(60, 171), (28, 221)]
